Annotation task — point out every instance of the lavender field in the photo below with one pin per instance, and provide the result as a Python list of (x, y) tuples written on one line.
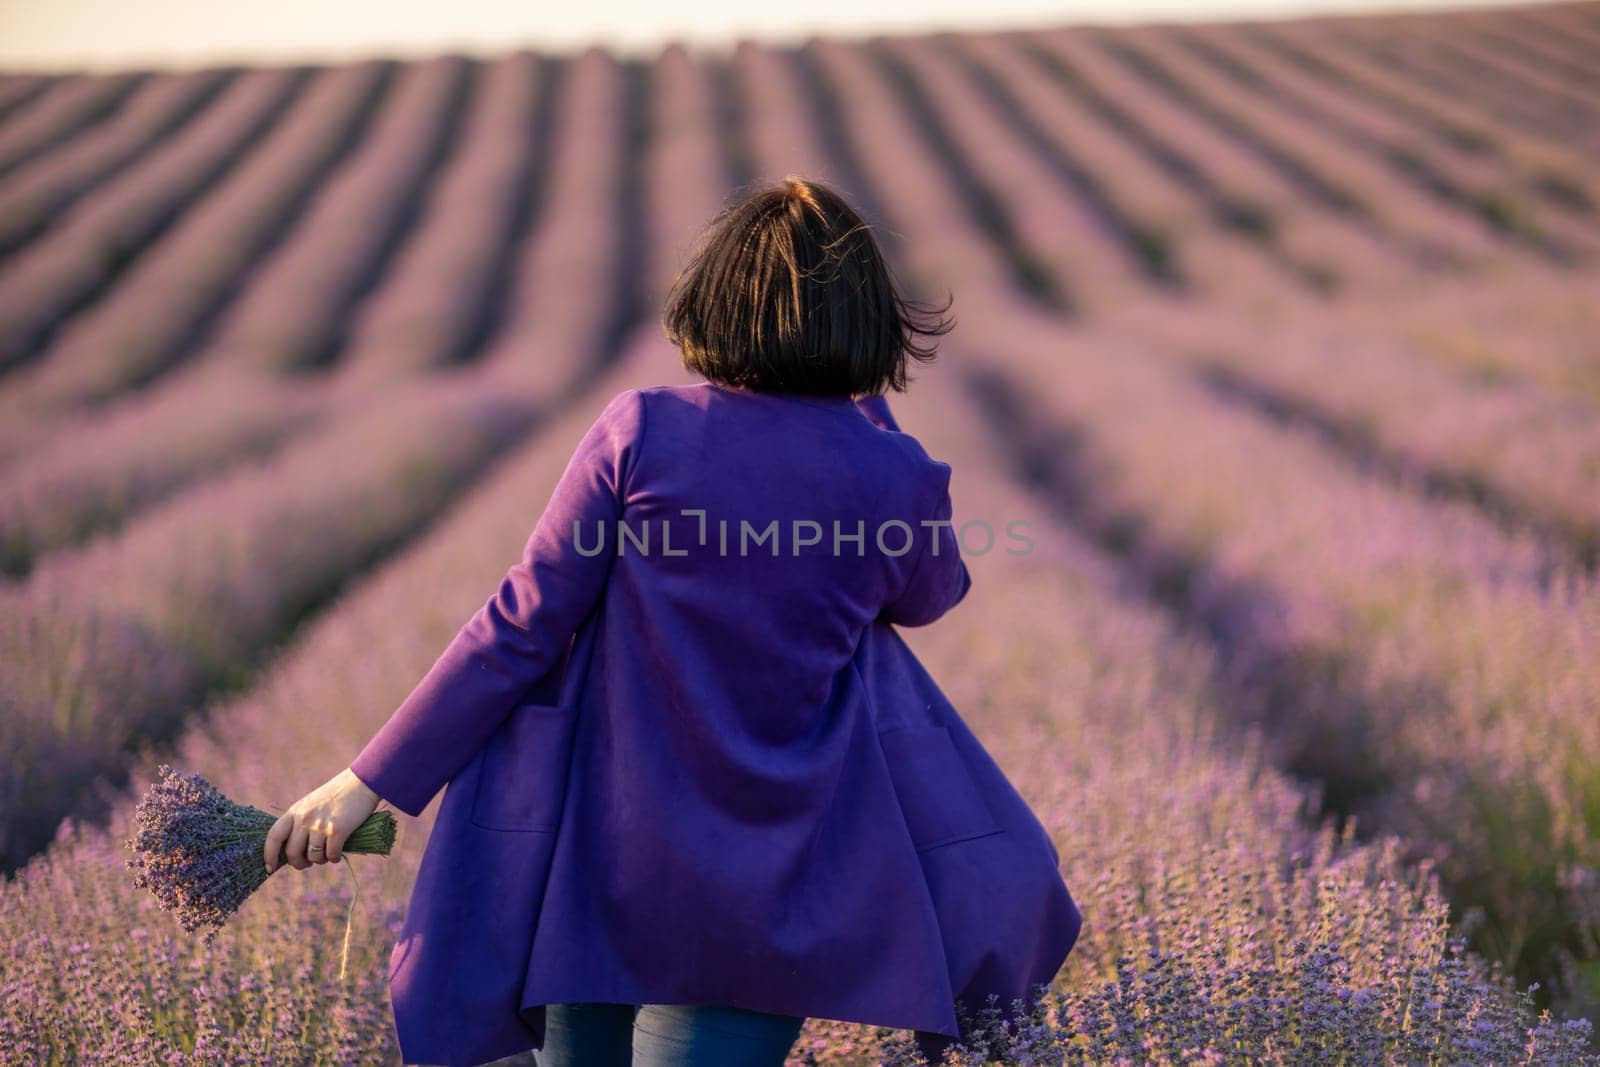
[(1284, 336)]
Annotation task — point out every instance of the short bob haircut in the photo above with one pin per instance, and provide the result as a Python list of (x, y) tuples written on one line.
[(788, 292)]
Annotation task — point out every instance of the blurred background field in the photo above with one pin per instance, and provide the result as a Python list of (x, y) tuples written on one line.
[(1283, 334)]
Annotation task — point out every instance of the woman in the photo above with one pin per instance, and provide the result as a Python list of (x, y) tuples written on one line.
[(734, 844)]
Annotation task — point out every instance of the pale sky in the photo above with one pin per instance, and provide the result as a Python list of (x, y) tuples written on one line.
[(79, 34)]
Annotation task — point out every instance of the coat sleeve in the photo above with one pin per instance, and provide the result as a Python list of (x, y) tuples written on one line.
[(519, 633), (939, 578)]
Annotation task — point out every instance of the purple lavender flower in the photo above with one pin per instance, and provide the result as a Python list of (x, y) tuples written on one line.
[(200, 853)]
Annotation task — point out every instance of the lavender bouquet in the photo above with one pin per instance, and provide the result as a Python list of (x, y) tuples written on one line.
[(200, 853)]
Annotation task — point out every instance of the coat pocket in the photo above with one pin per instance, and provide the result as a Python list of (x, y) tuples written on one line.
[(522, 782), (937, 793)]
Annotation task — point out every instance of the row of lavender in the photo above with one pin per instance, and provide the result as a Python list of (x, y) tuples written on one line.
[(1104, 196), (1532, 450), (1220, 924), (1302, 140), (77, 475), (156, 312), (1435, 669), (117, 640)]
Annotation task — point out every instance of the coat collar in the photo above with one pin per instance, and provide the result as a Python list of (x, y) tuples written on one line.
[(834, 402)]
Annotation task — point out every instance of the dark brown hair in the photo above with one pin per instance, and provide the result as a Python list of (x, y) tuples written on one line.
[(788, 291)]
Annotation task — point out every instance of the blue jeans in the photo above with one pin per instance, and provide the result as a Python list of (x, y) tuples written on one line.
[(664, 1035)]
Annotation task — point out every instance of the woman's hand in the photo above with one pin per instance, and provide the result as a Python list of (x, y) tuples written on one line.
[(316, 826)]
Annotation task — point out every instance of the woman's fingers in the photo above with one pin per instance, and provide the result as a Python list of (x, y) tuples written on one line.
[(298, 839), (275, 840), (333, 842), (317, 844)]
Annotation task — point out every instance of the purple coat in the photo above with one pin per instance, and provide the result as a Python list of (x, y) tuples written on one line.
[(745, 791)]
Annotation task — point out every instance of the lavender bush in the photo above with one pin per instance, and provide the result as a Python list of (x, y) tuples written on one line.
[(99, 469), (170, 296), (292, 313), (1523, 452), (121, 638), (19, 90), (688, 163), (1504, 200), (1456, 66), (1311, 247), (1402, 219), (74, 108), (432, 306), (579, 238), (36, 198), (45, 284), (1547, 169)]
